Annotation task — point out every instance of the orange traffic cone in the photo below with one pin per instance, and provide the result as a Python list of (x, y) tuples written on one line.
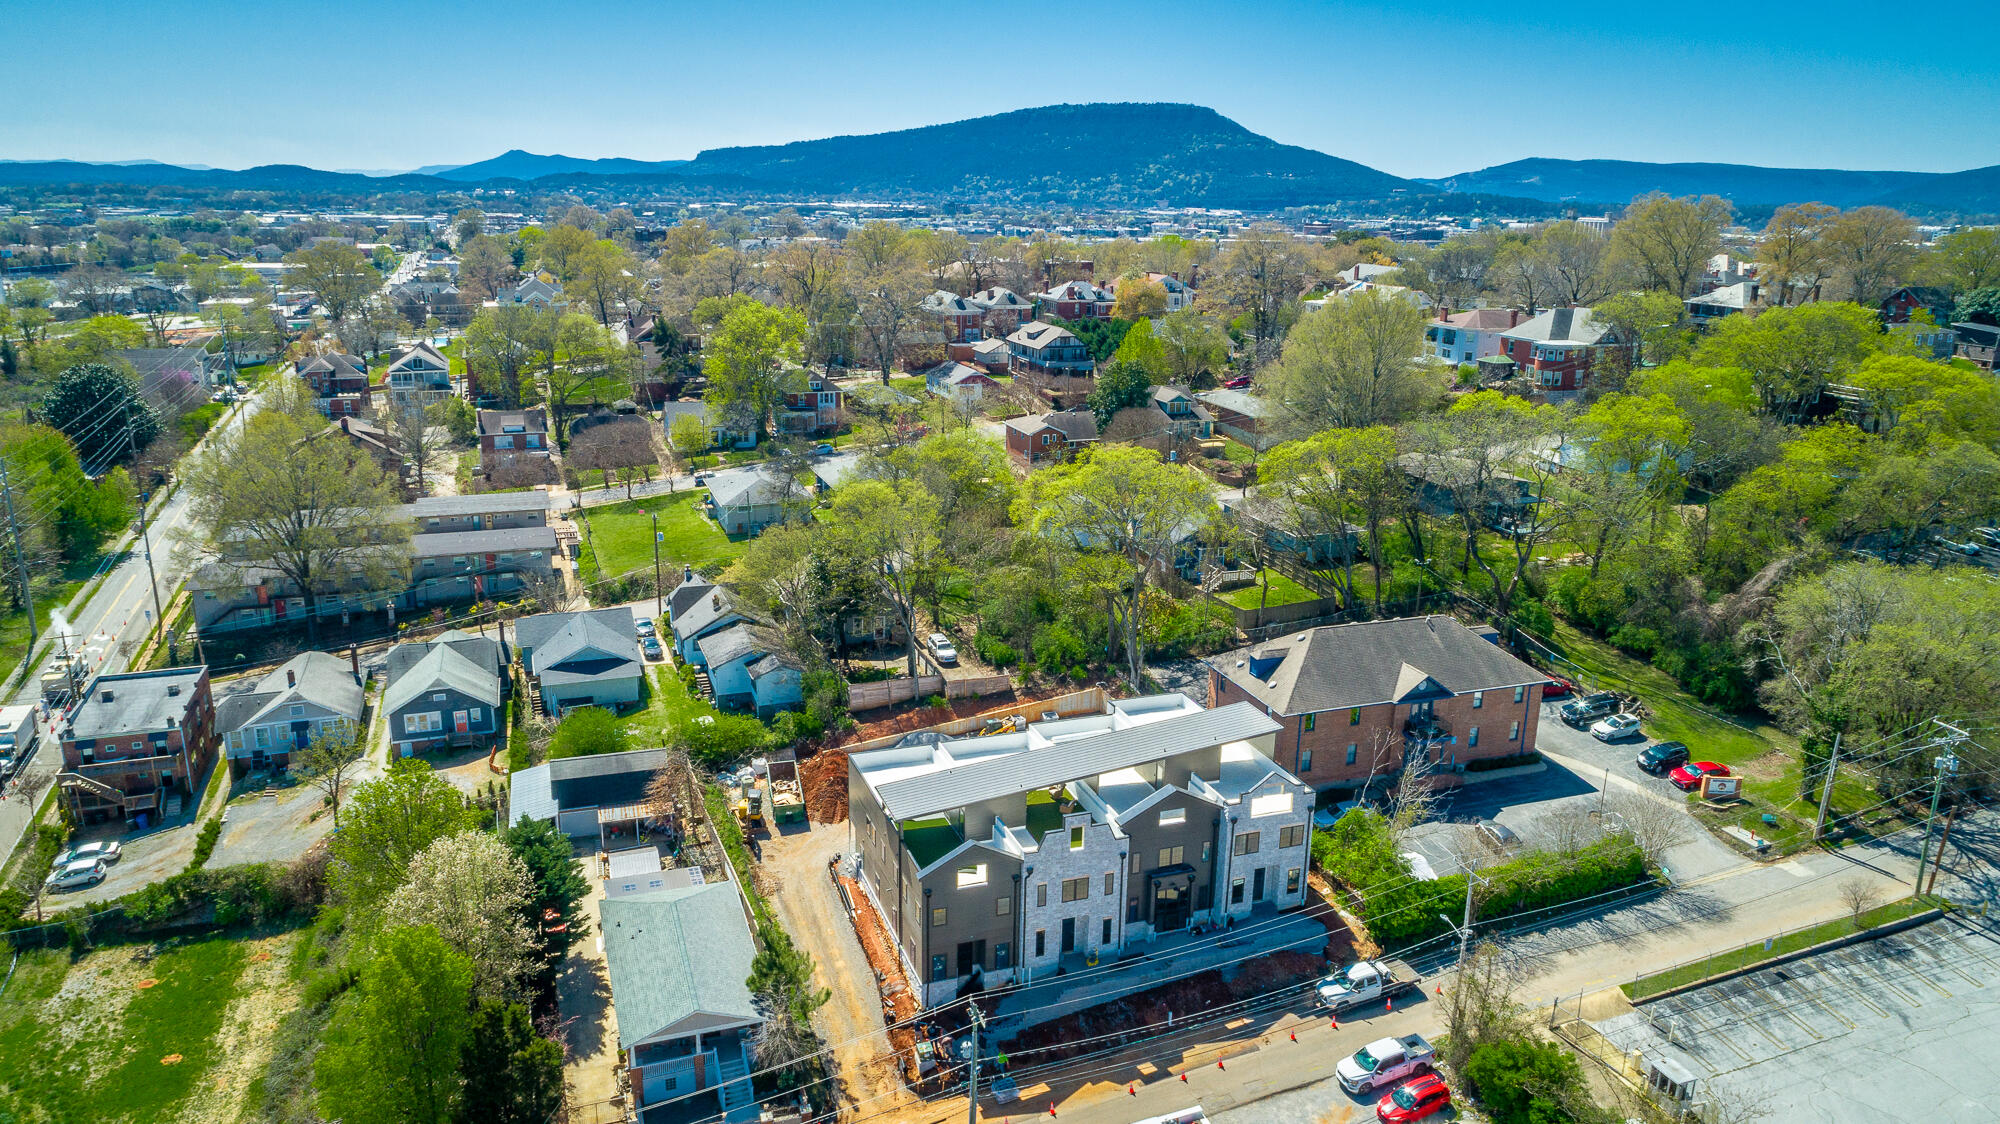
[(1183, 1078), (1052, 1108), (1295, 1036), (1388, 1005), (1219, 1065), (1131, 1090), (1334, 1024)]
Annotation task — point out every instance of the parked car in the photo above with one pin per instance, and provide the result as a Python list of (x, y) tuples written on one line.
[(942, 647), (1616, 727), (651, 646), (645, 627), (1498, 834), (105, 851), (1558, 689), (1588, 708), (1687, 778), (1383, 1061), (1661, 756), (84, 872), (1240, 382), (822, 450), (1414, 1099)]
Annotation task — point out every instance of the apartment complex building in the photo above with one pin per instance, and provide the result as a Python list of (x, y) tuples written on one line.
[(998, 859)]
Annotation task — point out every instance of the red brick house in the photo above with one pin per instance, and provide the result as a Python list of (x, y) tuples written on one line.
[(1357, 701), (136, 741), (1076, 300), (817, 408), (961, 320), (1040, 439), (1004, 309), (514, 446), (1559, 349), (339, 384)]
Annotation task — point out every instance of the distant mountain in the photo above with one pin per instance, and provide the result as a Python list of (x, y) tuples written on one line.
[(1131, 153), (434, 169), (1975, 191), (1617, 182), (518, 165)]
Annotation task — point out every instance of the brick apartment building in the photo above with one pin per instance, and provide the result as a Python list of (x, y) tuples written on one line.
[(136, 741), (1355, 701)]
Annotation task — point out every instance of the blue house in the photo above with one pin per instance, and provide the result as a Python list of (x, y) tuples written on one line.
[(747, 674), (711, 612)]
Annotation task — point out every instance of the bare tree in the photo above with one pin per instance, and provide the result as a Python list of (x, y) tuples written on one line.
[(329, 762), (1570, 830), (1859, 896), (409, 423), (1655, 827), (1415, 798), (621, 446), (1479, 1005)]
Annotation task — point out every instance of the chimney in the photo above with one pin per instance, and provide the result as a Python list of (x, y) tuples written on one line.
[(354, 656), (291, 678), (1513, 317), (107, 695), (173, 689)]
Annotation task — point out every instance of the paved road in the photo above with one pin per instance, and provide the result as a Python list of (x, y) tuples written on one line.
[(110, 626)]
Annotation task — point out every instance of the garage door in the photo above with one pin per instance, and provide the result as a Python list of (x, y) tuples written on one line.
[(578, 822)]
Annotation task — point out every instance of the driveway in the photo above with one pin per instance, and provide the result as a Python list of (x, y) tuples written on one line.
[(272, 829), (1619, 759)]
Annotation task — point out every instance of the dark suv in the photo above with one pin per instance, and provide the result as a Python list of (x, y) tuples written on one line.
[(1662, 756), (1589, 708)]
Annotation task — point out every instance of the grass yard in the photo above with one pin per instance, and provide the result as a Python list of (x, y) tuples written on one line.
[(1792, 942), (620, 535), (14, 626), (1284, 591), (125, 1035), (1237, 452), (915, 387), (1676, 716), (668, 703)]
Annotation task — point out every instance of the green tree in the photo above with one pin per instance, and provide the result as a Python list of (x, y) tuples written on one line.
[(1980, 306), (1323, 481), (751, 361), (1964, 260), (1192, 346), (557, 890), (1793, 353), (1667, 242), (270, 496), (1119, 386), (1794, 258), (605, 278), (77, 516), (471, 889), (511, 1074), (1725, 435), (1652, 325), (1121, 502), (393, 1048), (336, 273), (1525, 1081), (891, 537), (1139, 299), (1260, 276), (781, 978), (485, 266), (588, 731), (586, 363), (99, 408), (1351, 364), (1873, 249), (390, 821)]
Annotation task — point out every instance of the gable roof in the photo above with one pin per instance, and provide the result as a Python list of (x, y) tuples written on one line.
[(419, 356), (686, 594), (1077, 424), (441, 668), (1236, 402), (586, 647), (1482, 319), (1075, 291), (483, 651), (1560, 325), (723, 648), (675, 953), (483, 503), (1372, 662), (1037, 334), (941, 303), (997, 297), (322, 680), (704, 614), (1738, 296), (749, 487)]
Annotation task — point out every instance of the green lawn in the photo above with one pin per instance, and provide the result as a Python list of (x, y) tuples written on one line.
[(1237, 452), (668, 704), (83, 1042), (914, 387), (1676, 716), (620, 535), (1792, 942), (1284, 591)]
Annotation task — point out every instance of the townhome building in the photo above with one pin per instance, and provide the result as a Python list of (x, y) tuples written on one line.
[(492, 511), (137, 743), (1356, 704), (1008, 857)]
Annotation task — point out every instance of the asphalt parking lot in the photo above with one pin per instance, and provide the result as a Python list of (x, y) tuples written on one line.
[(1620, 758)]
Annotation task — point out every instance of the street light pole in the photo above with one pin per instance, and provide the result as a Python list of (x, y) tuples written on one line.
[(972, 1064), (659, 591), (159, 614)]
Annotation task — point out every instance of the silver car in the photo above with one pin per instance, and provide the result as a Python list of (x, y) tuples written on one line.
[(84, 872), (102, 851)]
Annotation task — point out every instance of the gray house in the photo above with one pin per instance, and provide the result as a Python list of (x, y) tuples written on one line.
[(262, 726), (444, 692), (594, 798), (746, 502), (678, 961), (582, 659), (710, 612)]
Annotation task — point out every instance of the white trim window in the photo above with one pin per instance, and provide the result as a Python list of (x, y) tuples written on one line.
[(429, 722)]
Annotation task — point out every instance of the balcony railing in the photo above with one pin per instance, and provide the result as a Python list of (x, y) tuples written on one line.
[(1426, 728)]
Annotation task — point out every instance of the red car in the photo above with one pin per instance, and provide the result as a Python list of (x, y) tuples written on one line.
[(1241, 382), (1687, 778), (1414, 1099), (1557, 689)]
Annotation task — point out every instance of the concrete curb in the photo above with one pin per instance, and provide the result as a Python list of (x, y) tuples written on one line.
[(1893, 927)]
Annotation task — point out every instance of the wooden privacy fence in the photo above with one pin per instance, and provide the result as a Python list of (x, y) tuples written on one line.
[(888, 692)]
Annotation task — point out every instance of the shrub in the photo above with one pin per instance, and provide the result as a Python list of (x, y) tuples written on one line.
[(1523, 1081), (587, 732), (1060, 651), (724, 743), (994, 650), (204, 843)]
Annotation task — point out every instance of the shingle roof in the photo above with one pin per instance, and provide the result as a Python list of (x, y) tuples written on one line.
[(696, 618), (1236, 402), (770, 663), (748, 487), (483, 651), (1482, 319), (1077, 425), (686, 594), (1368, 663), (490, 503), (531, 420), (997, 297), (941, 303), (441, 668), (483, 542), (1037, 334), (969, 783), (321, 679), (1560, 325), (731, 644), (563, 656), (675, 953)]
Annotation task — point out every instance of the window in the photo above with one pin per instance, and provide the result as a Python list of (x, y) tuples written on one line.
[(937, 918), (297, 711), (1206, 850), (1249, 843), (1276, 804), (939, 970), (1308, 725), (263, 738), (1292, 881), (1520, 693), (1041, 943), (1041, 899), (473, 714), (1514, 732), (1292, 836), (1478, 699), (1471, 736), (1172, 816), (1107, 932), (1135, 868), (1354, 716), (1305, 761), (970, 876), (1110, 884), (423, 723), (1076, 838), (1003, 906), (1075, 889), (1236, 892), (1351, 749), (1172, 856)]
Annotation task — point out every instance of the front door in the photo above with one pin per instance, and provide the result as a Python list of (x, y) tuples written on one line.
[(1257, 885), (971, 957), (1069, 935), (1170, 909)]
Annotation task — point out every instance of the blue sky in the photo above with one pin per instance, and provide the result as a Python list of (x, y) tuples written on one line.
[(1414, 89)]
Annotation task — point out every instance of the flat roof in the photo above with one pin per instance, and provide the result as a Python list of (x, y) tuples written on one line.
[(141, 702)]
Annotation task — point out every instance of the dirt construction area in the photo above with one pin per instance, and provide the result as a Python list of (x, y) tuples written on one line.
[(795, 867)]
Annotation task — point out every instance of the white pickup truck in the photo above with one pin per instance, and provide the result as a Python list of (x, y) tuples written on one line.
[(1384, 1062), (1365, 982)]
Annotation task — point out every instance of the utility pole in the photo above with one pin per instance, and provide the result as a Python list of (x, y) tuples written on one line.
[(659, 591), (1944, 840), (972, 1065), (146, 538), (1464, 928), (1946, 765), (20, 559), (1826, 788)]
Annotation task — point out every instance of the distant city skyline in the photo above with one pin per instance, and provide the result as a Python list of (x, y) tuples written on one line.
[(1429, 93)]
